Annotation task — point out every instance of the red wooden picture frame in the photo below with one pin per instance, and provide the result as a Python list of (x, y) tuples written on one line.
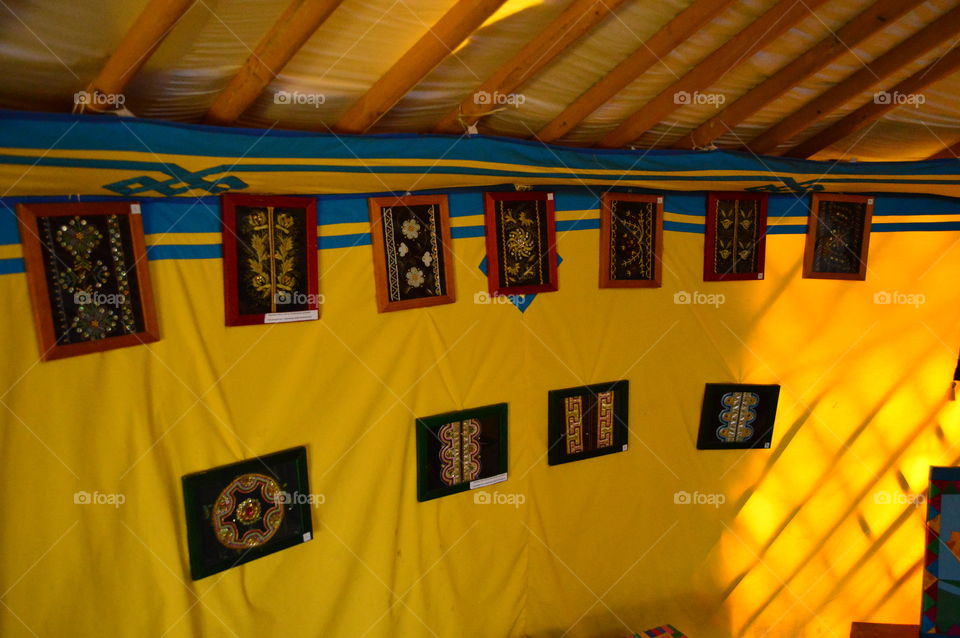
[(308, 295), (36, 256), (442, 262), (813, 225), (495, 208), (607, 276), (711, 234)]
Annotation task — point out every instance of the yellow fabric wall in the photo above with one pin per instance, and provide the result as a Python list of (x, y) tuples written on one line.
[(803, 544)]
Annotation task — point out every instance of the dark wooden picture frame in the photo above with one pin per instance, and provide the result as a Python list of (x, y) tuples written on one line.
[(541, 244), (488, 443), (404, 290), (118, 237), (757, 241), (296, 300), (587, 432), (737, 416), (615, 232), (820, 232), (277, 480)]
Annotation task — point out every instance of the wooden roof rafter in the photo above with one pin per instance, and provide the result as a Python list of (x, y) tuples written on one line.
[(870, 21), (873, 73), (577, 19), (455, 26), (684, 25), (750, 40), (287, 35)]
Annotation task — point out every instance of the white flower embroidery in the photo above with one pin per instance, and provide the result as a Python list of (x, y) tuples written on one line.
[(427, 259), (410, 229), (415, 277), (403, 250)]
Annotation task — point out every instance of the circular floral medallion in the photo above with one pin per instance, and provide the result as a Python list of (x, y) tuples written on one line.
[(248, 511), (520, 243)]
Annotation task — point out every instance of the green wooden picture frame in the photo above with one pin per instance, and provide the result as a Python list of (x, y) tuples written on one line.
[(587, 421)]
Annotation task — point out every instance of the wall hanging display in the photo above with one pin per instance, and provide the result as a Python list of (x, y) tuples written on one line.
[(736, 236), (521, 242), (269, 259), (631, 240), (460, 451), (87, 272), (838, 236), (243, 511), (737, 416), (940, 607), (587, 421), (412, 260)]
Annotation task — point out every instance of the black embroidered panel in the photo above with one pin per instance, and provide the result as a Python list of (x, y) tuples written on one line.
[(736, 248), (243, 511), (271, 249), (90, 270), (838, 243), (633, 237), (737, 416), (413, 252), (587, 421), (523, 244)]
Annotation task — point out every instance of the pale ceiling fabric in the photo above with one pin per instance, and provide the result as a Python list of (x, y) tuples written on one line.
[(52, 49)]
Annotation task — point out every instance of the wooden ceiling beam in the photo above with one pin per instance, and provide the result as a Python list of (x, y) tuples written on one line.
[(910, 89), (579, 18), (287, 35), (948, 152), (879, 15), (750, 40), (443, 37), (149, 29), (678, 30), (934, 34)]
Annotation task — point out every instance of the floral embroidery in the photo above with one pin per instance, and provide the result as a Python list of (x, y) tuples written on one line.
[(410, 229), (427, 259), (415, 277), (403, 249), (519, 243)]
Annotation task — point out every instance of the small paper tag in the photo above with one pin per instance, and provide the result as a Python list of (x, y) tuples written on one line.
[(286, 317), (760, 276), (134, 209), (307, 536), (490, 480), (624, 447), (659, 200), (870, 201), (550, 196)]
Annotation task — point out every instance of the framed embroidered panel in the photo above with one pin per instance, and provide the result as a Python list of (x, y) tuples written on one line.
[(587, 421), (737, 416), (940, 606), (736, 236), (521, 242), (243, 511), (631, 240), (269, 259), (412, 260), (460, 451), (86, 267), (838, 236)]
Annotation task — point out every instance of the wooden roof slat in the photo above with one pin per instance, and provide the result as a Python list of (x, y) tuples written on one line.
[(879, 15), (678, 30), (450, 30), (942, 67), (873, 73), (750, 40), (287, 35), (579, 18), (149, 29), (951, 151)]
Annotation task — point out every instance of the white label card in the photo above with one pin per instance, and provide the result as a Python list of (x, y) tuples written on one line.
[(286, 317), (490, 480), (134, 209)]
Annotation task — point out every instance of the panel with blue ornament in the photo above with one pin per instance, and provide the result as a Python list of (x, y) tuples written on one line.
[(737, 416)]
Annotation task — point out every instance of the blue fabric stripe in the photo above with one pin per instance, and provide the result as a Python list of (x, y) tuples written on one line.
[(184, 251), (464, 232), (786, 229), (344, 241), (11, 266), (683, 227), (911, 226), (577, 224)]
